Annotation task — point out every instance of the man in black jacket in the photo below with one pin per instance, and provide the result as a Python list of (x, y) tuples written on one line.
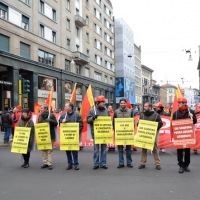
[(46, 116), (72, 117), (182, 113), (150, 115), (7, 124)]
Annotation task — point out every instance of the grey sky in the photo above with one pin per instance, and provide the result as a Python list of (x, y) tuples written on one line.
[(164, 28)]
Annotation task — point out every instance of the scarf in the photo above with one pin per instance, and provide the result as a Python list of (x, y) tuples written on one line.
[(183, 109)]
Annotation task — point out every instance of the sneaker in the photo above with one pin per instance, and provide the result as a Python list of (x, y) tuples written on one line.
[(130, 165), (23, 165), (187, 169), (141, 167), (163, 151), (76, 168), (44, 166), (158, 167), (181, 170), (69, 167), (195, 152), (50, 167), (95, 167), (120, 166), (26, 165), (104, 167), (134, 149)]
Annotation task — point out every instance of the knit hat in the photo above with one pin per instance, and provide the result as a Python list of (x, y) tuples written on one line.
[(18, 107), (26, 110)]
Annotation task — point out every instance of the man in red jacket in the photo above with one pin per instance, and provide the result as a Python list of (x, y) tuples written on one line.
[(16, 117)]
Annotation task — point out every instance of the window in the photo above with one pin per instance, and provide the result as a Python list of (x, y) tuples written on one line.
[(78, 69), (87, 72), (106, 79), (77, 31), (87, 20), (98, 60), (97, 93), (53, 37), (46, 58), (97, 14), (4, 43), (25, 1), (170, 90), (68, 24), (67, 65), (98, 2), (111, 80), (97, 29), (111, 96), (88, 53), (47, 33), (68, 4), (25, 22), (68, 44), (97, 76), (170, 99), (47, 10), (24, 50), (87, 3), (41, 31), (3, 11), (77, 11), (87, 37), (54, 14), (98, 44), (41, 7), (77, 47)]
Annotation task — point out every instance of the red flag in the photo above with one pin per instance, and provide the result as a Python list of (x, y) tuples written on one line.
[(128, 104), (49, 98), (36, 107), (73, 97)]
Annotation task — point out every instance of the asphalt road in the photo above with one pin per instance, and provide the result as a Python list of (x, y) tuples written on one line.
[(17, 183)]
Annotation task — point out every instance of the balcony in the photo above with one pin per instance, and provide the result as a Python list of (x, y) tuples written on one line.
[(80, 21), (80, 58)]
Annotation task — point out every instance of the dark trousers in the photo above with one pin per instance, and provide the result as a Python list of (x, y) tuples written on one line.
[(74, 160), (26, 157), (186, 161)]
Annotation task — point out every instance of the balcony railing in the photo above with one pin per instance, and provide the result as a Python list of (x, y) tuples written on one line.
[(80, 21)]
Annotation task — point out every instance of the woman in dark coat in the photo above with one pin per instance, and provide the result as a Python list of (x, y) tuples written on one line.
[(25, 121)]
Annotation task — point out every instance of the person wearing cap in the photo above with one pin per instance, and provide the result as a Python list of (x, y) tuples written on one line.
[(150, 115), (159, 108), (124, 112), (49, 117), (182, 113), (25, 121), (72, 117), (16, 117), (197, 114), (98, 109)]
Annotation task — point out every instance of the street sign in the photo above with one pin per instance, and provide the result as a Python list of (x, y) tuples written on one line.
[(5, 82)]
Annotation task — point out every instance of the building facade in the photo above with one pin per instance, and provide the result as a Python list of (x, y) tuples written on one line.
[(155, 92), (56, 43), (125, 67), (147, 92), (163, 96), (138, 77)]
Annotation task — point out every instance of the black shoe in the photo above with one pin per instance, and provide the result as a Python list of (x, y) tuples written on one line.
[(26, 165), (141, 167), (130, 165), (187, 169), (76, 168), (134, 149), (96, 167), (23, 165), (158, 167), (104, 167), (181, 170), (44, 166), (50, 167), (69, 167), (120, 166)]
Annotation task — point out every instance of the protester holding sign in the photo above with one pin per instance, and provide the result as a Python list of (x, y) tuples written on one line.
[(98, 110), (197, 114), (46, 116), (72, 117), (182, 113), (124, 112), (150, 115), (25, 121)]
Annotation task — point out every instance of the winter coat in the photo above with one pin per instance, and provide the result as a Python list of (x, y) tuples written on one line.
[(179, 115), (72, 117), (6, 120), (28, 123), (43, 118), (91, 115)]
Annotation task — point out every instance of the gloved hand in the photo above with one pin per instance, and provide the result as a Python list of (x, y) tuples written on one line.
[(95, 117)]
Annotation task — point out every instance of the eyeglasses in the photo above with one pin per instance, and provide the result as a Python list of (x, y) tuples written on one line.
[(181, 102)]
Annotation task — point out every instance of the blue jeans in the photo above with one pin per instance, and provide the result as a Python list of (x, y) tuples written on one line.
[(73, 154), (7, 134), (121, 154), (103, 155)]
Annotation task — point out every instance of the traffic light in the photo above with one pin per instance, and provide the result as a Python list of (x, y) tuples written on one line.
[(25, 86)]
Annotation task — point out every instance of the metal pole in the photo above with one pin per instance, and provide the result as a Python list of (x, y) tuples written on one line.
[(20, 93)]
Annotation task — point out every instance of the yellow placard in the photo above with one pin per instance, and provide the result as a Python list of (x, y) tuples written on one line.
[(103, 130), (21, 140), (69, 136), (43, 138), (146, 134), (124, 131)]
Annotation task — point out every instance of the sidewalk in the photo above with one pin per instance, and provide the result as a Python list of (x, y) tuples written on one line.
[(1, 140)]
